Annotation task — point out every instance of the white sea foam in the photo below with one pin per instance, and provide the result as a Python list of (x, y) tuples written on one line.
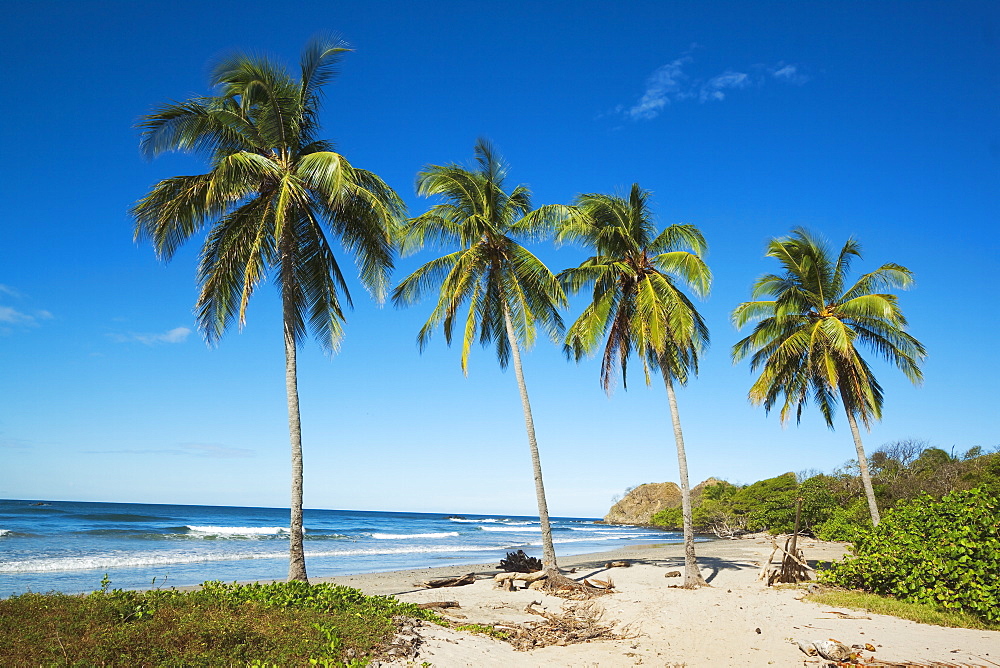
[(107, 561), (393, 536), (238, 531), (490, 520), (521, 529), (4, 532)]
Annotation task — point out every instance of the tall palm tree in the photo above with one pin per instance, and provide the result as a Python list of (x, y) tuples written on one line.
[(805, 340), (639, 307), (504, 290), (273, 199)]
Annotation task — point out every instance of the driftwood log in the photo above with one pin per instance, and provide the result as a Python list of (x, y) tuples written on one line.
[(506, 580), (439, 604), (466, 579)]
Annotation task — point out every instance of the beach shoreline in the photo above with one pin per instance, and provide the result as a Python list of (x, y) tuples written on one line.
[(738, 621)]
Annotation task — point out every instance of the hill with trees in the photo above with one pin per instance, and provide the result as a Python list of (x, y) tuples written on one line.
[(833, 504)]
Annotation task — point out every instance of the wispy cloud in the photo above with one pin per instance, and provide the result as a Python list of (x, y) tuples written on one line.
[(18, 317), (789, 74), (671, 83), (714, 88), (175, 335), (200, 450), (11, 316), (663, 84)]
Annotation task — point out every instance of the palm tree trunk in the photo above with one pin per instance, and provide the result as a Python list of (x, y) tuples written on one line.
[(866, 478), (296, 553), (692, 576), (548, 550)]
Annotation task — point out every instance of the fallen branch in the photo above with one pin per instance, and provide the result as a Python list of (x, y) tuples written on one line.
[(439, 604), (466, 579)]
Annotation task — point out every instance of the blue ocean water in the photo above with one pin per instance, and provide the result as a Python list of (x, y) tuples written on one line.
[(68, 546)]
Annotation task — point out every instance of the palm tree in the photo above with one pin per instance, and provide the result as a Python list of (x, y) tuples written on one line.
[(639, 307), (274, 198), (804, 339), (505, 291)]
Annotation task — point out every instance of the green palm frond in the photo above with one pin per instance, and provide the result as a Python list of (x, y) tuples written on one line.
[(275, 196), (492, 276), (637, 306), (805, 342)]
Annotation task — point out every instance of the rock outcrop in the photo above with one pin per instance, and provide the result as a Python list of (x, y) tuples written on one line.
[(644, 501)]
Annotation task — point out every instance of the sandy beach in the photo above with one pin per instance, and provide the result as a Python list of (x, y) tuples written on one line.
[(735, 622)]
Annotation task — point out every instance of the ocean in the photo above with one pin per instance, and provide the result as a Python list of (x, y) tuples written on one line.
[(68, 546)]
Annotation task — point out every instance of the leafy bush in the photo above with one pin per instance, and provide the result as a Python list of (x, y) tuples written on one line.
[(944, 553), (846, 523)]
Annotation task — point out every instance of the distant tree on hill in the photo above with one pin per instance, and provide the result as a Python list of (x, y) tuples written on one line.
[(806, 339)]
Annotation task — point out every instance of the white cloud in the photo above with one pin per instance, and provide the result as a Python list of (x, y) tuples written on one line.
[(12, 316), (714, 87), (789, 74), (175, 335), (670, 83), (663, 83)]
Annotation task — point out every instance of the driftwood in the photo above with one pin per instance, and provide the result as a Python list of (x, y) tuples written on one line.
[(507, 580), (793, 566), (519, 562), (599, 584), (576, 623), (554, 583), (439, 604), (562, 586), (466, 579), (618, 564)]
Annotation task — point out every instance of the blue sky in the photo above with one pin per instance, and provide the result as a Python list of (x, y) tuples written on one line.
[(878, 120)]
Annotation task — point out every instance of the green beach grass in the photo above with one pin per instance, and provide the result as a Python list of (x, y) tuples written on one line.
[(220, 624), (916, 612)]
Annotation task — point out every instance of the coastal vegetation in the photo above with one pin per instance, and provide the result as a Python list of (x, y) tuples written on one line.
[(275, 198), (833, 507), (806, 337), (505, 291), (220, 624), (638, 306), (944, 553)]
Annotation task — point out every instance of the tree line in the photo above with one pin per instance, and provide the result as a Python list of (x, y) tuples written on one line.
[(833, 506), (277, 197)]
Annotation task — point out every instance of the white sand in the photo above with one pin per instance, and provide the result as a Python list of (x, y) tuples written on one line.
[(735, 622)]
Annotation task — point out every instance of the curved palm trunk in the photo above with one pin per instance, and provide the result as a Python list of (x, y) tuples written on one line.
[(548, 551), (692, 576), (296, 554), (866, 478)]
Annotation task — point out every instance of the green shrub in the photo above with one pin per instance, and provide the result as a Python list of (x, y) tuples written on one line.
[(846, 523), (944, 553)]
